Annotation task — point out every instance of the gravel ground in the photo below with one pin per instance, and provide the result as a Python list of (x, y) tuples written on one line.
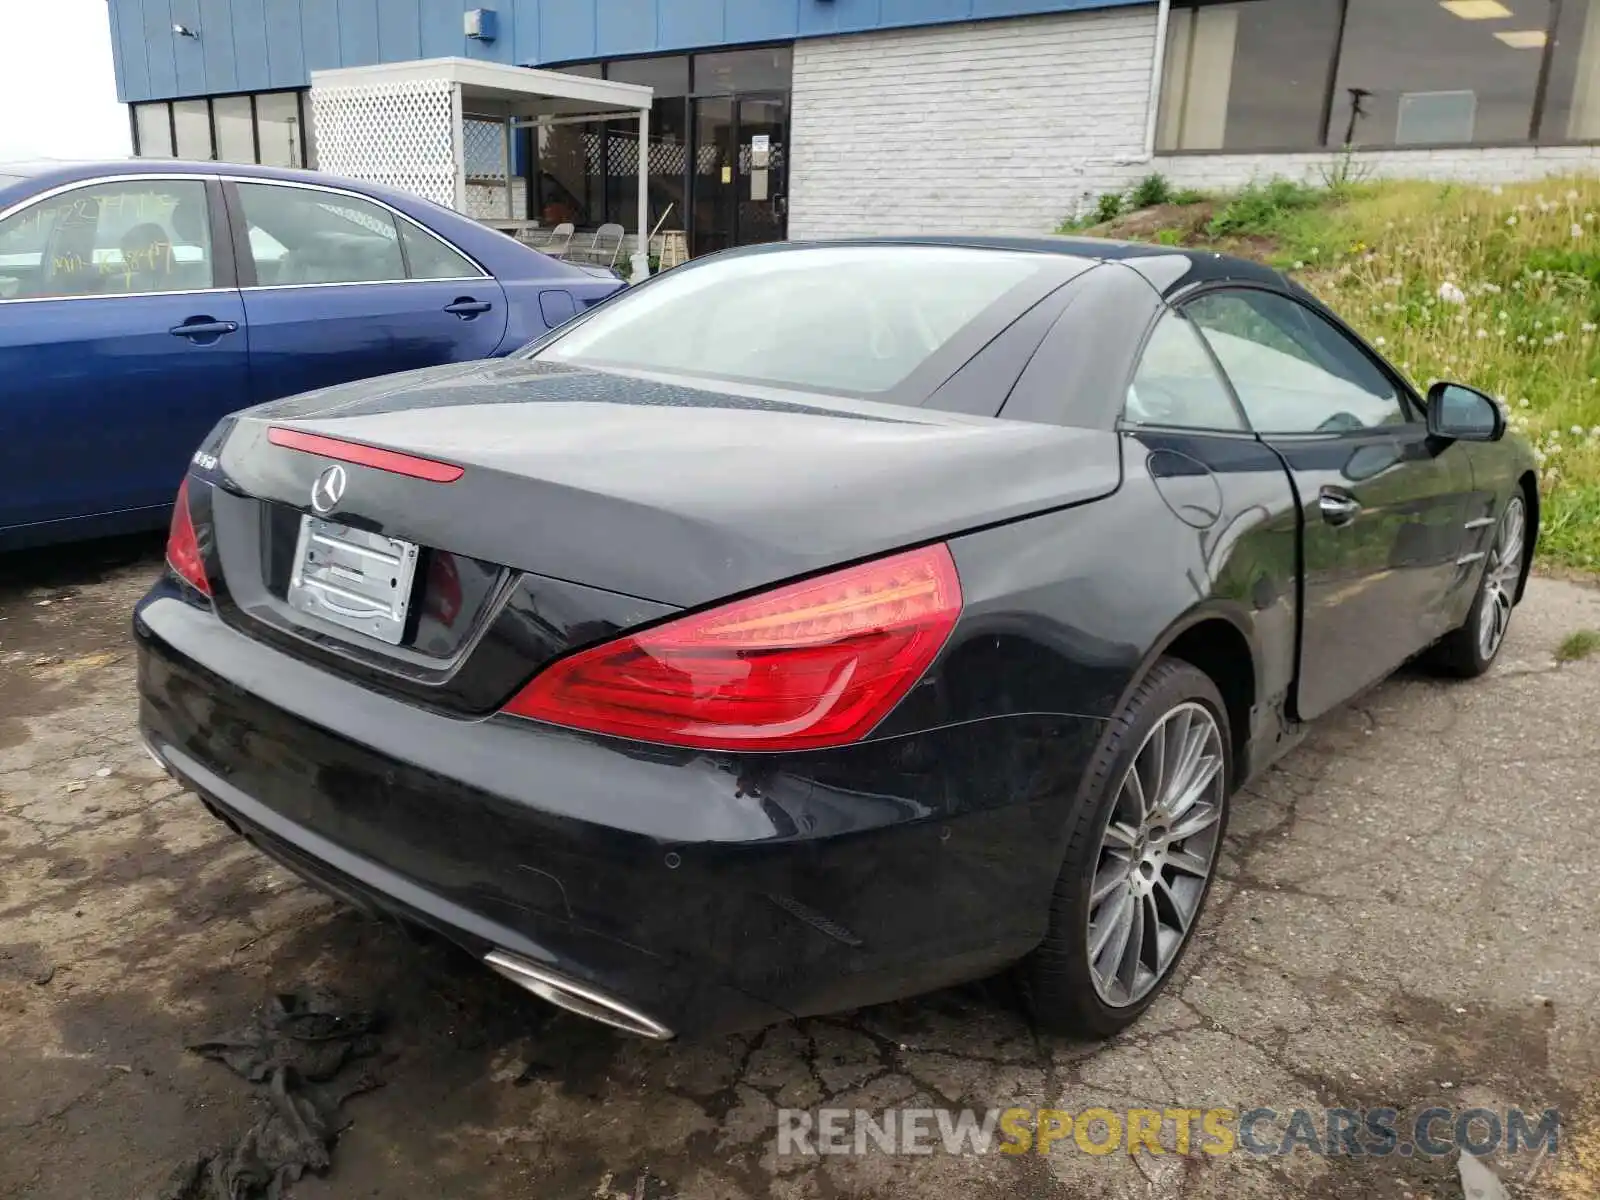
[(1407, 916)]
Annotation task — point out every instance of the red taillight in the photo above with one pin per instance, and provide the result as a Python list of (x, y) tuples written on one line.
[(810, 664), (183, 547), (366, 456)]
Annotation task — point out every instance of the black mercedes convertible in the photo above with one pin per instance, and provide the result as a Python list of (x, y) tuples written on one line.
[(821, 624)]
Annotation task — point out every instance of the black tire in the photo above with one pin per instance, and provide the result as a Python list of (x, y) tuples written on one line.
[(1460, 653), (1056, 978)]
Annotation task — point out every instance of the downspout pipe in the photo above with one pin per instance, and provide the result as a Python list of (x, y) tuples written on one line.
[(1158, 72)]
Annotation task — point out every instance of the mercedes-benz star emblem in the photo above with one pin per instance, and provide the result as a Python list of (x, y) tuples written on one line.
[(328, 490)]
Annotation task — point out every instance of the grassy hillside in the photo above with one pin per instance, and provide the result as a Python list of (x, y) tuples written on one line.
[(1496, 287)]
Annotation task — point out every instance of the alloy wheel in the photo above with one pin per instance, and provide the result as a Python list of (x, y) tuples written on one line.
[(1156, 855), (1500, 578)]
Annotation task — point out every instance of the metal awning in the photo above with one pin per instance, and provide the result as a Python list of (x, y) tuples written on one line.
[(355, 107)]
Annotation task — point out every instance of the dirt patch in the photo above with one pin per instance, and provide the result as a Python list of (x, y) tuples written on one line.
[(1185, 223)]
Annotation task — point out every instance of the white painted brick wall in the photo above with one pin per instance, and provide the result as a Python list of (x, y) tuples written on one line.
[(1009, 126), (998, 126)]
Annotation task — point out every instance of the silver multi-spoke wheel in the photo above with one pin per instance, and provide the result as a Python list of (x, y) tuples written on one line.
[(1500, 579), (1156, 855)]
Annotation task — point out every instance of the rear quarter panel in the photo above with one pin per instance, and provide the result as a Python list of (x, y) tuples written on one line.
[(1066, 612)]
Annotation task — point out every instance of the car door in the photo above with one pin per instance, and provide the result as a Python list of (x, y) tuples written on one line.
[(340, 287), (122, 341), (1381, 503)]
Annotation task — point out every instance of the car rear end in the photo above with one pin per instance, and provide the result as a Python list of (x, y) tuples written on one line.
[(583, 672), (417, 771)]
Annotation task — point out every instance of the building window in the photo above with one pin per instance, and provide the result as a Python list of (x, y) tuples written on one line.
[(278, 124), (1248, 76), (235, 120), (268, 127), (1572, 103), (707, 177), (1254, 75), (152, 125), (669, 141), (191, 121), (1418, 72), (766, 70)]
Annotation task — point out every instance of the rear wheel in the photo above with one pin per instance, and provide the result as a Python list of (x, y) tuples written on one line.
[(1139, 860), (1470, 650)]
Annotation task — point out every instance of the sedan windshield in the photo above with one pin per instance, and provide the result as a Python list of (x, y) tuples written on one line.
[(850, 319)]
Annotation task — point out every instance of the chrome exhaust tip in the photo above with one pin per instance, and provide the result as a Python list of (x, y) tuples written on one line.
[(574, 997), (154, 754)]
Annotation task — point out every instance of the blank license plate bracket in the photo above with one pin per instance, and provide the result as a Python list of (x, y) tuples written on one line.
[(352, 578)]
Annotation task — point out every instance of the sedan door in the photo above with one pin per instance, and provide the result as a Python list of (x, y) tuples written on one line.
[(1382, 504), (122, 341), (339, 287)]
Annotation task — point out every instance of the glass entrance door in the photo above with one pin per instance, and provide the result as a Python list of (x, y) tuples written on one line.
[(760, 178), (741, 177)]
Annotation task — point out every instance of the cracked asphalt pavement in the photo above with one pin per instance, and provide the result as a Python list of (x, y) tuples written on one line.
[(1408, 915)]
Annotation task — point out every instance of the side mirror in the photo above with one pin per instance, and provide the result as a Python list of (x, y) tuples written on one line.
[(1464, 414)]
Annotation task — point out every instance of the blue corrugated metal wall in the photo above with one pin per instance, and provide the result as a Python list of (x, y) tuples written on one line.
[(254, 45)]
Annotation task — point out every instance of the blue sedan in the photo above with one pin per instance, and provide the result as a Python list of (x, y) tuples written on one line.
[(141, 301)]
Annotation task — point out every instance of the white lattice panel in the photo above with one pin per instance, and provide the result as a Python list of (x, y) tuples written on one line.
[(485, 148), (401, 134)]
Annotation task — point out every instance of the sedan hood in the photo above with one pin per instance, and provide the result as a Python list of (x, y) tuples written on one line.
[(676, 492)]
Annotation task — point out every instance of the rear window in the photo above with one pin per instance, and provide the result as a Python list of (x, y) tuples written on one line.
[(856, 320)]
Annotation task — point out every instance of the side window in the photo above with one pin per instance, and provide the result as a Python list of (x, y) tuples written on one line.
[(303, 235), (109, 239), (1177, 383), (430, 258), (1294, 372)]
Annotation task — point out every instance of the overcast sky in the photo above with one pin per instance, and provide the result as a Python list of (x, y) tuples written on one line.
[(58, 93)]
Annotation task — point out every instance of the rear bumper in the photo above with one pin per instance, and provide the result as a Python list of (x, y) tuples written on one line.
[(705, 892)]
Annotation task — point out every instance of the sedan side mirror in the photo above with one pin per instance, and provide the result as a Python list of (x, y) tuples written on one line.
[(1464, 414)]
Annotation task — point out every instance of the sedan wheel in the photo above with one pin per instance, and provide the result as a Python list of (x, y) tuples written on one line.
[(1142, 847), (1156, 855), (1500, 578), (1470, 650)]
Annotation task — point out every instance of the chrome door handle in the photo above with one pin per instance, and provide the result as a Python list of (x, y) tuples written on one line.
[(1338, 508)]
